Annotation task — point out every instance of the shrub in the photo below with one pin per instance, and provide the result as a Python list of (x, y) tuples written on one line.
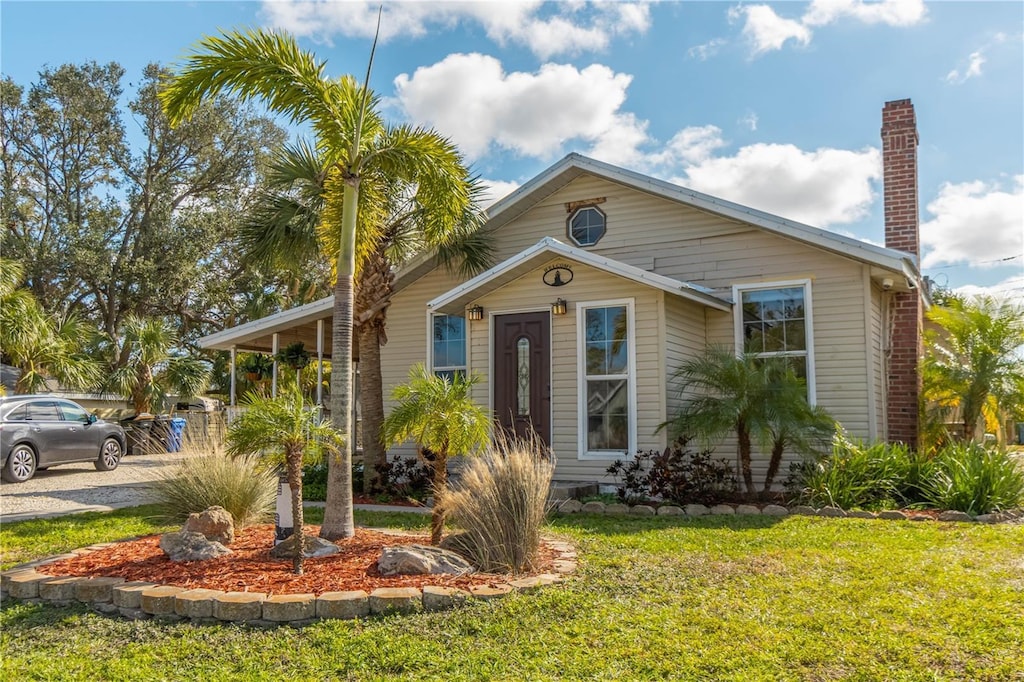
[(500, 502), (970, 478), (242, 485), (855, 476), (314, 481), (403, 478), (676, 475)]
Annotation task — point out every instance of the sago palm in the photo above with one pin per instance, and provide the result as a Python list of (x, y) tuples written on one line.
[(149, 365), (439, 414), (285, 430), (284, 232), (356, 143)]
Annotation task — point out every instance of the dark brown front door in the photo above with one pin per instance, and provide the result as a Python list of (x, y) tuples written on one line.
[(522, 374)]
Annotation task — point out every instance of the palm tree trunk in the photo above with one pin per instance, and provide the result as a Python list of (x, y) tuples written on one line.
[(294, 464), (743, 438), (339, 521), (438, 515), (371, 396), (773, 466)]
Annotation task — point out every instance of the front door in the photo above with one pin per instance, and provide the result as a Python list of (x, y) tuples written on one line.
[(522, 374)]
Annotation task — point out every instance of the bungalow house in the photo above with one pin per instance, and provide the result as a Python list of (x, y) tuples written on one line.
[(607, 279)]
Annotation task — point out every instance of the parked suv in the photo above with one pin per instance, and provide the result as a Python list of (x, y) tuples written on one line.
[(41, 431)]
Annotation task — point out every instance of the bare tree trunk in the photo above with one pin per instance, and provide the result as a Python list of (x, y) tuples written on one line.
[(743, 438), (294, 464), (773, 467)]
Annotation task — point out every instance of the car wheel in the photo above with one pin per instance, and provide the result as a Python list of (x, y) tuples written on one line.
[(110, 455), (21, 464)]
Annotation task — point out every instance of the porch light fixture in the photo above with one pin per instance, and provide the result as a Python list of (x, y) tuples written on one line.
[(559, 307), (475, 313)]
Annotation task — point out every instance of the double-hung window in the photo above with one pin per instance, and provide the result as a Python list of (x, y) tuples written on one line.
[(774, 320), (607, 379), (448, 345)]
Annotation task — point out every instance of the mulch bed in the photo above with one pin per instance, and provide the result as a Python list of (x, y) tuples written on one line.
[(251, 569)]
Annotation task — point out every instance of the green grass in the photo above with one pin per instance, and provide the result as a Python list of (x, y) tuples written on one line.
[(716, 598)]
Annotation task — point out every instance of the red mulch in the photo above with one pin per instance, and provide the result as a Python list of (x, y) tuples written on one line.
[(251, 569)]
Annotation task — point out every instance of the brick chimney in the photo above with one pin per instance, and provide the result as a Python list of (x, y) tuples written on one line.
[(899, 160)]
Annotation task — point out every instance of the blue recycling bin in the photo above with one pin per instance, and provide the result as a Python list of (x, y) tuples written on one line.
[(175, 434)]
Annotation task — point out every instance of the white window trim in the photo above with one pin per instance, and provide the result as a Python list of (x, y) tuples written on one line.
[(737, 291), (430, 345), (581, 380), (568, 226)]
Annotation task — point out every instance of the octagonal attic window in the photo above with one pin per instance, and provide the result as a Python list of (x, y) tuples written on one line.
[(586, 226)]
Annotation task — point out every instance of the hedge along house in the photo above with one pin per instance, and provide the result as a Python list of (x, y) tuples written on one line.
[(607, 279)]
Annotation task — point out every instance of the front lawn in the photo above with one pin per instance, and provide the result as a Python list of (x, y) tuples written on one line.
[(715, 598)]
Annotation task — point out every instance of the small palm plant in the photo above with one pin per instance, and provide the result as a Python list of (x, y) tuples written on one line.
[(286, 430), (439, 413)]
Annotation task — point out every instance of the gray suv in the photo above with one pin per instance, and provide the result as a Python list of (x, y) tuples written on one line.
[(41, 431)]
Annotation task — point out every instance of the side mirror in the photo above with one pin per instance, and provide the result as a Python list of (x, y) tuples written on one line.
[(92, 419)]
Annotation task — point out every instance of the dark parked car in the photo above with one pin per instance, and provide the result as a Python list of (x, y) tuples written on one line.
[(40, 431)]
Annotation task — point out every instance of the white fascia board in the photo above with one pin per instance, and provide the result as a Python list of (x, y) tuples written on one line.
[(549, 246), (282, 321)]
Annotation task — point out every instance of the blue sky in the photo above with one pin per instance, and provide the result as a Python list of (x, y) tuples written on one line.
[(776, 106)]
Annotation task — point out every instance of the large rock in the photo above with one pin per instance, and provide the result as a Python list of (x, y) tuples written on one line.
[(312, 547), (188, 546), (215, 524), (421, 560)]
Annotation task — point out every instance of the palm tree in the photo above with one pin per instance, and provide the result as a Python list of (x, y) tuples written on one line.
[(440, 415), (283, 233), (286, 430), (973, 360), (148, 365), (356, 143), (40, 345)]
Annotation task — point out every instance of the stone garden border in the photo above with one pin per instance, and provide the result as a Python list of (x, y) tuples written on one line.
[(695, 510), (143, 600)]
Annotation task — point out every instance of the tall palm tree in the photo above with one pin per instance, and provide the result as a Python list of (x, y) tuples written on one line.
[(283, 233), (40, 345), (973, 360), (440, 415), (288, 431), (350, 132), (149, 365)]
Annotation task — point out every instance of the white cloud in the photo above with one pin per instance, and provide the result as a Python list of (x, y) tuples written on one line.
[(822, 188), (707, 50), (766, 30), (470, 98), (495, 190), (973, 69), (1010, 289), (749, 120), (976, 223), (545, 28), (889, 12)]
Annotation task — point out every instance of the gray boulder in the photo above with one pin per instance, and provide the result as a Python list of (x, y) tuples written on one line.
[(312, 547), (421, 560), (215, 524), (188, 546)]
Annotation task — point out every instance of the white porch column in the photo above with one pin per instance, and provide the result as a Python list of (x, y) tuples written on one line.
[(233, 369), (273, 380), (320, 362)]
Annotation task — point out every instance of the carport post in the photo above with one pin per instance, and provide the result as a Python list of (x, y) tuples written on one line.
[(320, 362), (233, 358), (273, 381)]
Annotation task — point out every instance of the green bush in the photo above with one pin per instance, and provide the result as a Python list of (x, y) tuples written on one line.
[(314, 481), (500, 502), (972, 479), (242, 485), (967, 478)]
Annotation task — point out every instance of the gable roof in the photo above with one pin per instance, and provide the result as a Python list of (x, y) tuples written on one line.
[(575, 165), (455, 300)]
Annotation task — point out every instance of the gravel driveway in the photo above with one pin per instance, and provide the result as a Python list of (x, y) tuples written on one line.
[(79, 487)]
